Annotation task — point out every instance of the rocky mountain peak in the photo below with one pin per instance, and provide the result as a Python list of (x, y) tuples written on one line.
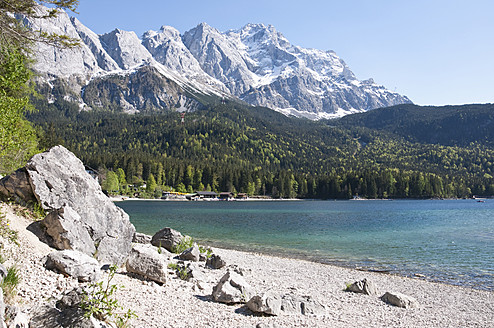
[(260, 33), (125, 48), (255, 63)]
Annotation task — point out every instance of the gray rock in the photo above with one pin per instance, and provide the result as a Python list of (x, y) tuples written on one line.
[(272, 304), (266, 303), (311, 82), (125, 48), (79, 216), (196, 273), (167, 238), (19, 319), (3, 272), (2, 308), (232, 288), (190, 254), (400, 300), (17, 187), (74, 264), (145, 261), (267, 325), (215, 262), (70, 299), (65, 229), (294, 304), (364, 287), (141, 238)]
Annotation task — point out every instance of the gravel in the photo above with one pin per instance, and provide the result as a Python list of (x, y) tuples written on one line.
[(180, 303)]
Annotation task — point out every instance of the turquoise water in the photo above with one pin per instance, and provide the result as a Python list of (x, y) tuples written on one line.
[(450, 241)]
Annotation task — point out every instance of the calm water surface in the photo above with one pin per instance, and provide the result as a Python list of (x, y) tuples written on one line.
[(450, 241)]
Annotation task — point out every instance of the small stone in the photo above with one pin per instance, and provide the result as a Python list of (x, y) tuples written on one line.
[(215, 262), (190, 254), (400, 300), (363, 287)]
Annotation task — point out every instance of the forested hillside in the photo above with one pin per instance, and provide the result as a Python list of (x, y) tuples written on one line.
[(446, 125), (231, 147)]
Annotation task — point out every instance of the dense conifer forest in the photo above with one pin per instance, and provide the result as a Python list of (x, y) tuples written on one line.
[(404, 151)]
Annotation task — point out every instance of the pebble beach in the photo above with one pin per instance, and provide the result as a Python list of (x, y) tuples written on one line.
[(179, 303)]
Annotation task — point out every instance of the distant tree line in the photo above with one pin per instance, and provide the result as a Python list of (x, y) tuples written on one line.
[(259, 152)]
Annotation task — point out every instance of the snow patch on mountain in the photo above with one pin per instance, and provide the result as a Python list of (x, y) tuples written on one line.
[(255, 63)]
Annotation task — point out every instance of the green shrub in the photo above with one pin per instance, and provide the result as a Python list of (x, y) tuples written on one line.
[(99, 301), (5, 230), (206, 250), (184, 244), (38, 211), (180, 270), (10, 283), (173, 266)]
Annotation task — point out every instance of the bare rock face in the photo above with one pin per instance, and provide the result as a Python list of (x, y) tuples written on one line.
[(17, 187), (80, 216), (141, 238)]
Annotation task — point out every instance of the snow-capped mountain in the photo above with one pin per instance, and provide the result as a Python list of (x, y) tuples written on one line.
[(166, 70)]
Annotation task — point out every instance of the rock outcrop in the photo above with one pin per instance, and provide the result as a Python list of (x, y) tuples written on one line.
[(80, 216), (73, 263)]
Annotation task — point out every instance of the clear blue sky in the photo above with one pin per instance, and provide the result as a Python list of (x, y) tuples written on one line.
[(434, 51)]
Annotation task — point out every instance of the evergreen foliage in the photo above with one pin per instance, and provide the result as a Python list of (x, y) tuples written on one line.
[(254, 150), (18, 140)]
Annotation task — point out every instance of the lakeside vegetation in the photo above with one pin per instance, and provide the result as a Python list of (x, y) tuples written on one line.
[(254, 150)]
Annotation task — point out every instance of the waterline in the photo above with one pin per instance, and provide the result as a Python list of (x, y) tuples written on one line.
[(449, 241)]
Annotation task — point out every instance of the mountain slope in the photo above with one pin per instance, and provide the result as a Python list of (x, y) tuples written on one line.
[(234, 147), (260, 66), (446, 125), (255, 64)]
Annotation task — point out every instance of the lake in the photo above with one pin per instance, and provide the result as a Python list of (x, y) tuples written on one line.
[(450, 241)]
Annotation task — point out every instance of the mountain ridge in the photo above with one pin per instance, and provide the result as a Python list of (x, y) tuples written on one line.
[(255, 64)]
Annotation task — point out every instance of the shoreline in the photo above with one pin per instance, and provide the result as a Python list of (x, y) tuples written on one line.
[(180, 303), (348, 264)]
